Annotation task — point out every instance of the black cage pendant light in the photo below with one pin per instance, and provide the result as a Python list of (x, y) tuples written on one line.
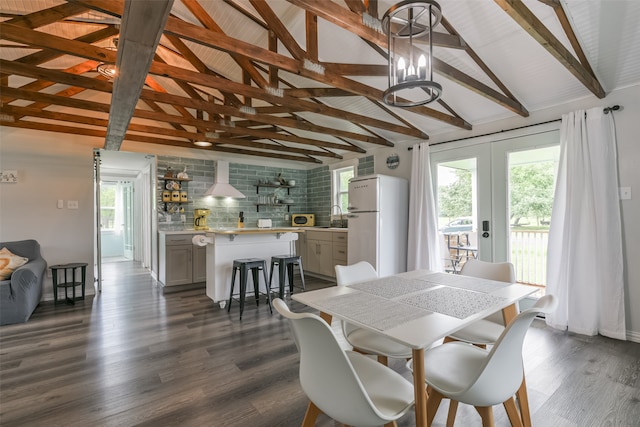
[(408, 26)]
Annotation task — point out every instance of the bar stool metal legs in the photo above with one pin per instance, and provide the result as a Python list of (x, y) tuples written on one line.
[(285, 265), (245, 265)]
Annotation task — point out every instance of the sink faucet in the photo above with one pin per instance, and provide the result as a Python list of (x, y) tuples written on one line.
[(341, 216)]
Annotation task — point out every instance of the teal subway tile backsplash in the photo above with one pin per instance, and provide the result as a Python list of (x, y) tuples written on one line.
[(224, 212), (310, 194)]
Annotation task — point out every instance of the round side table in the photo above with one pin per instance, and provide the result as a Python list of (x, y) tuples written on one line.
[(70, 280)]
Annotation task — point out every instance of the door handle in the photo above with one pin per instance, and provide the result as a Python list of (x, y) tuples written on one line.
[(485, 228)]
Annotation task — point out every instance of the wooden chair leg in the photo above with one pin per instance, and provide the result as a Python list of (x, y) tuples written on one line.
[(523, 401), (433, 402), (383, 360), (451, 416), (311, 415), (391, 424), (486, 413), (512, 412)]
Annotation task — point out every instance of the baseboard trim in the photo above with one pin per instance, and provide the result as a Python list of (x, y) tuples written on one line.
[(633, 336)]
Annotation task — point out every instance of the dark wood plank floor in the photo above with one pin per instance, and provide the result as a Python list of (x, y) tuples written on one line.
[(133, 356)]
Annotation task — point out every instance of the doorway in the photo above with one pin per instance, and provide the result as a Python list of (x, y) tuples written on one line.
[(116, 219), (494, 201), (124, 208)]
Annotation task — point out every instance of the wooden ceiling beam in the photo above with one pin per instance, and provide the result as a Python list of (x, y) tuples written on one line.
[(160, 97), (311, 28), (174, 100), (47, 16), (357, 69), (49, 54), (476, 58), (203, 36), (352, 21), (571, 35), (151, 140), (205, 19), (12, 67), (197, 63), (153, 130), (536, 29), (279, 29), (317, 92), (246, 12), (199, 34)]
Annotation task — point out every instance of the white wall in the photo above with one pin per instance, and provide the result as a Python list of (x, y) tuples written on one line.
[(50, 167)]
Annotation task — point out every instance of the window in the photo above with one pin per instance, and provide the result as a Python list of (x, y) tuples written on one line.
[(108, 205), (341, 179)]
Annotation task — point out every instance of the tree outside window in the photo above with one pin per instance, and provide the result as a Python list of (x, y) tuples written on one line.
[(107, 205), (341, 179)]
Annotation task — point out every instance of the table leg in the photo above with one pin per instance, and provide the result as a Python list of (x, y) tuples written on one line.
[(326, 317), (508, 314), (420, 388)]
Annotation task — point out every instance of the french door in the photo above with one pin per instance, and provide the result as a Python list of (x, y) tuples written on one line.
[(494, 201)]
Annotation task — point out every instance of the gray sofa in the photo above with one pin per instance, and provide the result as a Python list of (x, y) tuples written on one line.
[(20, 295)]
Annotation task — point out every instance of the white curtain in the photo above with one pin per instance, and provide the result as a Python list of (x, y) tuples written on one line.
[(585, 264), (423, 248)]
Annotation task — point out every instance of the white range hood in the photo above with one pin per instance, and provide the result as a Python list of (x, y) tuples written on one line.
[(221, 187)]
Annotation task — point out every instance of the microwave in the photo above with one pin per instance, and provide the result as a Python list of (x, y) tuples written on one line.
[(303, 220)]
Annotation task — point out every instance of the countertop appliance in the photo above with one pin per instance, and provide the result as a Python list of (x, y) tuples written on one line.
[(378, 222), (265, 223), (303, 220), (200, 219)]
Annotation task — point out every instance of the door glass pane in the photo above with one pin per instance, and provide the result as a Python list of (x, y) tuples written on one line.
[(127, 204), (531, 187), (457, 211)]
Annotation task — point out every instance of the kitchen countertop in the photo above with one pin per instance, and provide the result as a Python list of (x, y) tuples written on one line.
[(253, 230)]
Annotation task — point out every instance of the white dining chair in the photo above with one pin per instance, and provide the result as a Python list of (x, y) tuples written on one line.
[(469, 374), (485, 331), (347, 386), (362, 340)]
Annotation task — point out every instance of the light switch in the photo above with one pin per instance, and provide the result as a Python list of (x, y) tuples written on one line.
[(72, 204), (625, 193), (60, 204)]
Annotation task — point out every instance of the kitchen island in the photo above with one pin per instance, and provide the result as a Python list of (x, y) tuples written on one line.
[(224, 245)]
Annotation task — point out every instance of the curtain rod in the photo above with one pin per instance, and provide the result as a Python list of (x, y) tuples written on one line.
[(606, 110)]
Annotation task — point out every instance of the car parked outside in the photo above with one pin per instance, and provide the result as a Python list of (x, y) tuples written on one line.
[(458, 225)]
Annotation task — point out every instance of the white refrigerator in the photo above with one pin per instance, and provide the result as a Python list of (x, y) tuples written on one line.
[(378, 221)]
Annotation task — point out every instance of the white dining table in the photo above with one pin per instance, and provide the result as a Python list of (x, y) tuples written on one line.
[(417, 309)]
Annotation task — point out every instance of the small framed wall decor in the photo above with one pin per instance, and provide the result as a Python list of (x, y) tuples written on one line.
[(393, 161), (10, 176)]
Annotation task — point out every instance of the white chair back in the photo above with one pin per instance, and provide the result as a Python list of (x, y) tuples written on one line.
[(326, 373), (348, 275), (502, 373), (501, 271), (354, 273)]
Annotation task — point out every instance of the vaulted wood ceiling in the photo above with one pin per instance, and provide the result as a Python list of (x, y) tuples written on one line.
[(250, 77)]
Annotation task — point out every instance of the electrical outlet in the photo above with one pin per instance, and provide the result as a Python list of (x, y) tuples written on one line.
[(72, 204), (625, 193)]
